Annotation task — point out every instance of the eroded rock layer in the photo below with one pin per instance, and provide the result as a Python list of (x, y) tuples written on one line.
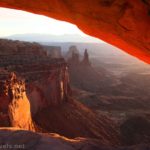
[(123, 23), (35, 95), (15, 106), (29, 81)]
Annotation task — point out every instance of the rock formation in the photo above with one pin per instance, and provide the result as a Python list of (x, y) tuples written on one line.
[(84, 76), (73, 56), (74, 60), (72, 50), (86, 61), (39, 81), (35, 95), (38, 93), (11, 138), (54, 51), (15, 106), (51, 88), (123, 23)]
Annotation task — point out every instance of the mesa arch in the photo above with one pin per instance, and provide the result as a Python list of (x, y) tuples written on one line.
[(123, 23)]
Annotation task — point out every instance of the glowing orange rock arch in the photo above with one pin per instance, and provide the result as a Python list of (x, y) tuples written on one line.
[(123, 23)]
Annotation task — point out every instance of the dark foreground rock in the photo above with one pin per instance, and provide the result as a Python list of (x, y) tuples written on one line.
[(13, 138)]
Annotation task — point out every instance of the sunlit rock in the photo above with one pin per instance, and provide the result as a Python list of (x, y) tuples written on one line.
[(122, 23)]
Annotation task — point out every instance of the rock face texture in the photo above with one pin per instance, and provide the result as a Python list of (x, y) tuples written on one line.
[(123, 23), (15, 106), (72, 119), (11, 138), (51, 90)]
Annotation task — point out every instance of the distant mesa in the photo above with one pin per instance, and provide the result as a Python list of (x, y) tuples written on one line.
[(86, 61), (73, 56), (54, 51), (77, 38)]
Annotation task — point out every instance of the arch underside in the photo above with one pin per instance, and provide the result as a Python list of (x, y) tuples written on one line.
[(122, 23)]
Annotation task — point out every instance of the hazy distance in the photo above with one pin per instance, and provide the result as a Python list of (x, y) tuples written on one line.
[(21, 25)]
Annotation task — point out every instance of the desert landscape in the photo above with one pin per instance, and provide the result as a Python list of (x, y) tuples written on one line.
[(72, 93), (74, 75)]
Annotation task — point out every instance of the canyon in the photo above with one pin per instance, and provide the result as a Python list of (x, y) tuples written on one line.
[(38, 108), (68, 104), (123, 96), (35, 95)]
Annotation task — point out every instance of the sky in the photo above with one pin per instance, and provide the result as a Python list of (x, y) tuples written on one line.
[(21, 22)]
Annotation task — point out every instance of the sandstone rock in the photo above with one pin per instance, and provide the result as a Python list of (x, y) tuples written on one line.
[(122, 23), (46, 78), (19, 139), (51, 90), (12, 137), (72, 119), (40, 89), (16, 111)]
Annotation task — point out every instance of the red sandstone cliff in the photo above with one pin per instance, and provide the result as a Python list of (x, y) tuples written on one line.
[(15, 106), (52, 89)]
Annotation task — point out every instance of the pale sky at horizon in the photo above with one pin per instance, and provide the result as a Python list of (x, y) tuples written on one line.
[(21, 22)]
